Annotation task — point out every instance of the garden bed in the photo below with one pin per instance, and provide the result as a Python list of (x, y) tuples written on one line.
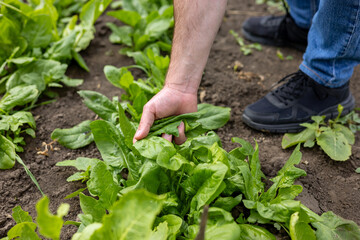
[(328, 186)]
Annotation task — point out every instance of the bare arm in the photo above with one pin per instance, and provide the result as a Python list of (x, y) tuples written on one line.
[(196, 25)]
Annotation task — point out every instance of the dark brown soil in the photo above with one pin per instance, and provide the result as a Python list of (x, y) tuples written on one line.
[(329, 185)]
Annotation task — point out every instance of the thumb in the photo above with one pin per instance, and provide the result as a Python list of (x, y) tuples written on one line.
[(147, 119)]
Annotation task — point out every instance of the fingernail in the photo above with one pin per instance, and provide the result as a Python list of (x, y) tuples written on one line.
[(137, 133), (167, 137)]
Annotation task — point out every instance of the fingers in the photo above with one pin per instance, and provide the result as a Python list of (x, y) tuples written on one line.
[(167, 137), (181, 138), (147, 119)]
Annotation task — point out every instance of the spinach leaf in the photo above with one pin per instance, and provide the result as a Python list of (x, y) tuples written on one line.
[(99, 104), (7, 153), (334, 227), (110, 143), (250, 232), (76, 137), (50, 225), (18, 96), (132, 217)]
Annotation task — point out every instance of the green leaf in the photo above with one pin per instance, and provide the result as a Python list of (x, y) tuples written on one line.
[(213, 117), (127, 128), (357, 170), (300, 228), (99, 104), (157, 27), (128, 17), (227, 203), (90, 205), (335, 145), (24, 230), (7, 153), (160, 232), (205, 184), (10, 38), (28, 172), (84, 37), (119, 77), (110, 143), (350, 137), (20, 215), (79, 59), (39, 73), (76, 193), (334, 227), (251, 232), (155, 148), (81, 163), (75, 137), (252, 176), (71, 82), (61, 50), (174, 224), (173, 163), (152, 178), (92, 10), (292, 139), (220, 225), (18, 96), (38, 31), (50, 225), (30, 132), (102, 184), (120, 35), (132, 217), (285, 177)]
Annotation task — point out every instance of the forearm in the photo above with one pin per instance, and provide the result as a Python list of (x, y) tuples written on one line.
[(196, 25)]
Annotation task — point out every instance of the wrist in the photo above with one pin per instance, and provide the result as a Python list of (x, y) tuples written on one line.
[(182, 88)]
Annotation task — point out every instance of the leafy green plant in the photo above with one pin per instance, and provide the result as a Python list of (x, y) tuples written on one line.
[(155, 189), (48, 225), (246, 49), (188, 177), (147, 23), (280, 55), (334, 138), (38, 40)]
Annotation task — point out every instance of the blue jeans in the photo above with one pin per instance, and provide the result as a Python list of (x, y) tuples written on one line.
[(334, 38)]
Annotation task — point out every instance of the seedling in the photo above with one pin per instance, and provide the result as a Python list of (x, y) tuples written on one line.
[(246, 49), (280, 55), (334, 138)]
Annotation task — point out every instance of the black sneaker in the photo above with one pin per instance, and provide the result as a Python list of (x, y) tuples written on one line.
[(283, 109), (278, 31)]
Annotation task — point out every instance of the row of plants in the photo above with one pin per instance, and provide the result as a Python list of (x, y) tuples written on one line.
[(38, 39), (154, 189)]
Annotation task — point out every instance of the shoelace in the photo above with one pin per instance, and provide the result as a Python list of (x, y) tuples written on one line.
[(282, 26), (296, 83)]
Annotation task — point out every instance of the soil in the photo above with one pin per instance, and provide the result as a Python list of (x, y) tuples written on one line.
[(328, 186)]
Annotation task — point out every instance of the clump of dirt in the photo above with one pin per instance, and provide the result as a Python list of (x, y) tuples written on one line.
[(329, 185)]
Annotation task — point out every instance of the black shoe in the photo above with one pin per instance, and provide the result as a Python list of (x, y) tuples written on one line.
[(283, 109), (276, 31)]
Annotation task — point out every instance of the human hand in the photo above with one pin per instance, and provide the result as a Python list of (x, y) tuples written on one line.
[(168, 102)]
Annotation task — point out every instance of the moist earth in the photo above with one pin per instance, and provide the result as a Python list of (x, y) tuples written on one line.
[(328, 186)]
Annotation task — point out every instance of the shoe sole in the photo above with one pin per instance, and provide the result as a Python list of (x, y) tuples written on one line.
[(271, 42), (330, 113)]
